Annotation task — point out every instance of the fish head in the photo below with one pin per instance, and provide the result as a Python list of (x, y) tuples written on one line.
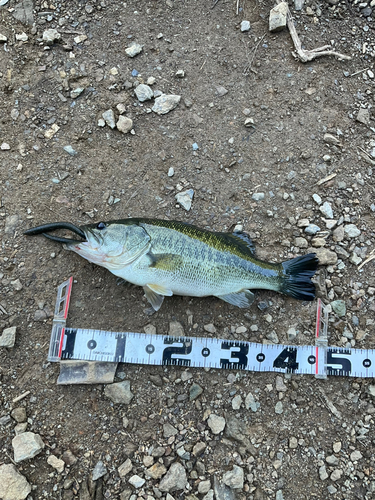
[(112, 245)]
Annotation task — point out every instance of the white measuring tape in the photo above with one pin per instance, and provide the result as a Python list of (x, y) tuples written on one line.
[(200, 352)]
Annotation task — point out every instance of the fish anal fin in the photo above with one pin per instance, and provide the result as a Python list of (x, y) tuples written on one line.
[(165, 261), (240, 299)]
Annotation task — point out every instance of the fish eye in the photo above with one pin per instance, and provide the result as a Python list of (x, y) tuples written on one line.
[(101, 225)]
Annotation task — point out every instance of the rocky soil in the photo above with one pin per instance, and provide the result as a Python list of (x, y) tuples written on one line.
[(178, 110)]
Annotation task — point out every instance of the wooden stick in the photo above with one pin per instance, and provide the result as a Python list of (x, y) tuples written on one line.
[(308, 55)]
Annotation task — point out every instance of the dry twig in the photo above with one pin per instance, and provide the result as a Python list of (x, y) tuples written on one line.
[(248, 67), (369, 259), (308, 55)]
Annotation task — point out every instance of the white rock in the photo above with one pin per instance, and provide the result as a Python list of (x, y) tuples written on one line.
[(109, 118), (326, 210), (143, 92), (278, 14), (26, 445), (22, 37), (151, 80), (236, 402), (121, 108), (13, 485), (245, 26), (79, 39), (48, 134), (76, 92), (258, 196), (8, 337), (3, 38), (136, 481), (175, 479), (124, 124), (51, 36), (185, 198), (216, 423), (4, 146), (363, 116), (204, 486), (180, 73), (133, 50), (165, 103), (56, 463), (355, 455), (170, 172), (251, 404), (317, 199), (125, 468), (351, 231), (119, 392), (210, 328), (234, 478)]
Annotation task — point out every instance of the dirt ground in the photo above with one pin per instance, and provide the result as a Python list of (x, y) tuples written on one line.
[(319, 442)]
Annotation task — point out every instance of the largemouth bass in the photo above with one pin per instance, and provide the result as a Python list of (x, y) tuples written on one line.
[(174, 258)]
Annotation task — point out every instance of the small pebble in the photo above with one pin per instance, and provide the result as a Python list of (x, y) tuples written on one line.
[(245, 26)]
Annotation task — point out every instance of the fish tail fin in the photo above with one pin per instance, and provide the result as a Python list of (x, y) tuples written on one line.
[(297, 277)]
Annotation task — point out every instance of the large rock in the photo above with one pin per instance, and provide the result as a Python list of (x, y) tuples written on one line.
[(26, 445), (144, 92), (124, 124), (119, 392), (234, 478), (11, 223), (278, 15), (8, 337), (23, 12), (175, 479), (216, 423), (326, 257), (13, 485), (51, 36), (165, 103), (133, 50)]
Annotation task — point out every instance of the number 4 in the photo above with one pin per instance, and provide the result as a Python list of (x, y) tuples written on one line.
[(287, 359)]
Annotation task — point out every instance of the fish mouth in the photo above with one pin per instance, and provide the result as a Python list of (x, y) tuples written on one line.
[(46, 228)]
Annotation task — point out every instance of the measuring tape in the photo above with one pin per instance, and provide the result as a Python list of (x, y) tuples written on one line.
[(200, 352)]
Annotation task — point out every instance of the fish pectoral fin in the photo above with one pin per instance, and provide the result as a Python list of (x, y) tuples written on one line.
[(160, 289), (155, 294), (240, 299)]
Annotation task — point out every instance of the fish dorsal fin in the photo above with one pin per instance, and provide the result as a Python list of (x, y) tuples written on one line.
[(241, 240)]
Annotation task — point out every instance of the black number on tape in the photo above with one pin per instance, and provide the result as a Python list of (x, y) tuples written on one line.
[(182, 350), (240, 353), (336, 364), (205, 352), (287, 360)]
